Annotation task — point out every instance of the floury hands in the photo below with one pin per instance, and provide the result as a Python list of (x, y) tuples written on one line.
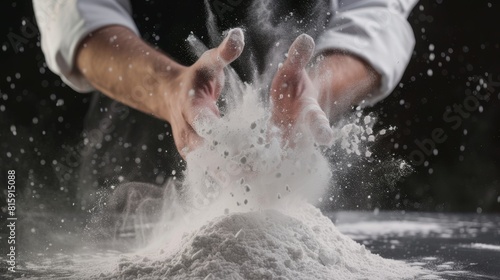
[(294, 98)]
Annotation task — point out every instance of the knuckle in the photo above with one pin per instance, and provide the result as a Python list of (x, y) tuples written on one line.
[(204, 73)]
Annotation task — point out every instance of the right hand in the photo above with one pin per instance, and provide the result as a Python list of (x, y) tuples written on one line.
[(193, 94)]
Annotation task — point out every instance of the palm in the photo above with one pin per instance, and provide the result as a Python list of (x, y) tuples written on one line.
[(197, 90)]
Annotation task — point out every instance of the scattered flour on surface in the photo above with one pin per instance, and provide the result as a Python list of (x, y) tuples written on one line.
[(483, 246), (372, 229)]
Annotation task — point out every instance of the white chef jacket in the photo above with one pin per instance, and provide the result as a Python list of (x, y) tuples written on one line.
[(375, 30)]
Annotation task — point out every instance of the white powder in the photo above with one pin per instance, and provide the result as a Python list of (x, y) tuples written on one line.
[(303, 244), (244, 166)]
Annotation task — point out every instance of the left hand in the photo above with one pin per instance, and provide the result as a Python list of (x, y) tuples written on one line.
[(196, 90), (295, 107)]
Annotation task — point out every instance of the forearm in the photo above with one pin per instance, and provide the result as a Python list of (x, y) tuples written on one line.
[(118, 63), (343, 80)]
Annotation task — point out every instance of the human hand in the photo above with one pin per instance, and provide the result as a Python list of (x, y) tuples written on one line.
[(194, 92), (294, 98)]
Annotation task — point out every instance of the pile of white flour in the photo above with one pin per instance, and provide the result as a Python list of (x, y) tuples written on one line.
[(303, 244)]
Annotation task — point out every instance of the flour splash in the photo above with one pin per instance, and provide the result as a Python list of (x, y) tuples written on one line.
[(245, 209)]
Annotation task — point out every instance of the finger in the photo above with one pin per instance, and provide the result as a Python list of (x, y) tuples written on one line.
[(198, 121), (299, 54), (202, 113), (318, 124), (204, 120), (187, 140), (231, 47)]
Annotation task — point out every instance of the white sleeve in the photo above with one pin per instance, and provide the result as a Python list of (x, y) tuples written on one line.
[(64, 23), (378, 32)]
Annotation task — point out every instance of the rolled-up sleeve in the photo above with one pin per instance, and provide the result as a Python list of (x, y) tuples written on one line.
[(378, 32), (64, 23)]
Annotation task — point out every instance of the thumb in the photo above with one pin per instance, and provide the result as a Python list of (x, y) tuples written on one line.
[(231, 48)]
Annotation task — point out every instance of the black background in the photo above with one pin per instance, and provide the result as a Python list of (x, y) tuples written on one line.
[(465, 37)]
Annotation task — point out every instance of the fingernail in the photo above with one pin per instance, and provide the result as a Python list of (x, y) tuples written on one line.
[(236, 35), (301, 50), (234, 44), (236, 39)]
